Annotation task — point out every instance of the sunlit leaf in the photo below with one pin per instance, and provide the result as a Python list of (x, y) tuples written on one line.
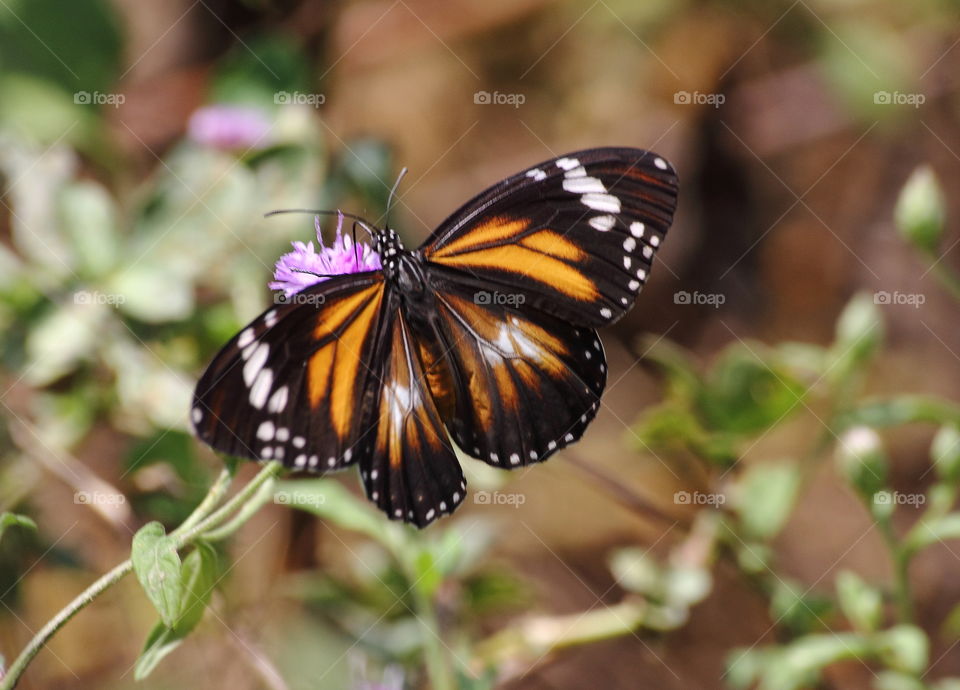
[(158, 568)]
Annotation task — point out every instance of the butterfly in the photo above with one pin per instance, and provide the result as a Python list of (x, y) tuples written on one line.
[(484, 335)]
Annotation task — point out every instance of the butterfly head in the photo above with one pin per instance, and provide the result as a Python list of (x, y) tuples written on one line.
[(389, 247)]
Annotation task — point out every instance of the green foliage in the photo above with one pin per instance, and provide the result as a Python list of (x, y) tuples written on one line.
[(8, 520), (198, 577), (158, 567)]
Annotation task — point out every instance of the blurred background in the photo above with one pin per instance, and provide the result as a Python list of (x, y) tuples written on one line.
[(758, 501)]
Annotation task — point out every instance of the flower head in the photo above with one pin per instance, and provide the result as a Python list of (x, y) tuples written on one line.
[(303, 267), (229, 127)]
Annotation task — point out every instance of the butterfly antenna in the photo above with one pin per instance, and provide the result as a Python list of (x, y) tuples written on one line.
[(365, 225), (393, 193)]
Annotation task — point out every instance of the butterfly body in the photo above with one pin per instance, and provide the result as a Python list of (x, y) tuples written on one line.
[(484, 336)]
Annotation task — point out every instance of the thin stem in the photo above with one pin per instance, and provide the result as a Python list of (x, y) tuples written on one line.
[(945, 276), (900, 555), (200, 521), (213, 497), (54, 624), (435, 656)]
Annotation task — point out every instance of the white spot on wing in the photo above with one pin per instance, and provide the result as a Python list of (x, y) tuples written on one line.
[(246, 337), (265, 431), (278, 401), (601, 202), (583, 185), (537, 174), (602, 223), (261, 388), (255, 363), (567, 163), (637, 228), (660, 163), (271, 318)]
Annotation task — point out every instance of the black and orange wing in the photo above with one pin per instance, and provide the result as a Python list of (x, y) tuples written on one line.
[(413, 473), (515, 384), (299, 383), (575, 235)]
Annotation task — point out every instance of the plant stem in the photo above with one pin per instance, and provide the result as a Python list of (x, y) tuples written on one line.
[(900, 555), (199, 522), (435, 656), (945, 276), (54, 624)]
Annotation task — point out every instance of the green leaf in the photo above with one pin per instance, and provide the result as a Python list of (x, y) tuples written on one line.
[(861, 603), (902, 409), (859, 334), (904, 648), (198, 578), (160, 642), (925, 533), (157, 566), (799, 610), (329, 499), (945, 452), (799, 664), (765, 497), (14, 520), (88, 218), (920, 212), (745, 394), (892, 680)]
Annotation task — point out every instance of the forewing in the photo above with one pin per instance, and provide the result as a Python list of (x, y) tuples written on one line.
[(575, 235), (524, 383), (413, 473), (299, 383)]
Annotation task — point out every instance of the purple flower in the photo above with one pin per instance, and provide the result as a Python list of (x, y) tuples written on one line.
[(229, 127), (304, 267)]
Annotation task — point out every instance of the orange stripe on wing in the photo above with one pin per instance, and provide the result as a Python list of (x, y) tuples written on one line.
[(334, 369)]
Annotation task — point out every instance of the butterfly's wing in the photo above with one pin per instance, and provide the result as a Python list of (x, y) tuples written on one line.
[(299, 384), (524, 383), (413, 473), (574, 235)]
